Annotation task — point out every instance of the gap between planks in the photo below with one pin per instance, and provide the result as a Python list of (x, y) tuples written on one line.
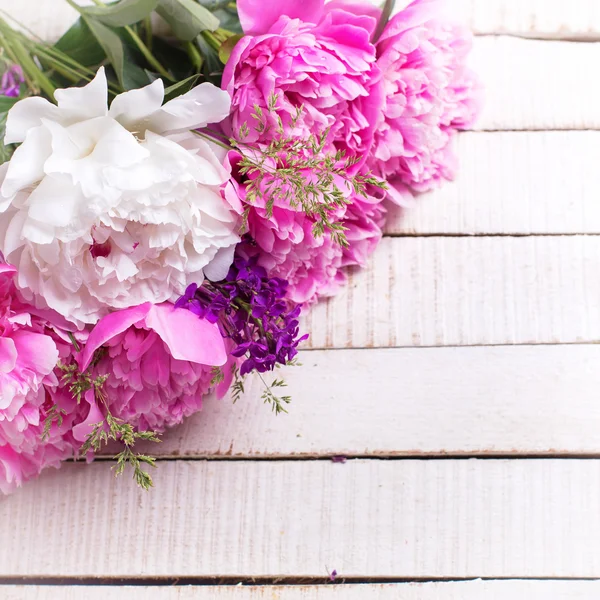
[(389, 519), (470, 590), (466, 291), (512, 183), (519, 401)]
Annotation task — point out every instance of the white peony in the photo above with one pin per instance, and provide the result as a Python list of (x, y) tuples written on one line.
[(104, 208)]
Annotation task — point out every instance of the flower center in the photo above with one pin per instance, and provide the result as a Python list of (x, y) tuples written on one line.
[(103, 250)]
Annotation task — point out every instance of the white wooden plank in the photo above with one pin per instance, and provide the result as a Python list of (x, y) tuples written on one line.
[(463, 590), (535, 18), (456, 291), (527, 400), (373, 518), (513, 182), (532, 84), (576, 19)]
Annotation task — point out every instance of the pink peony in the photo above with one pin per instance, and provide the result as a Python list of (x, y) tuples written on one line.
[(30, 347), (309, 55), (159, 364), (287, 248), (429, 94)]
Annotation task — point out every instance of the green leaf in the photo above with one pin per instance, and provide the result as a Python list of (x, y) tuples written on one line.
[(5, 151), (187, 18), (6, 103), (81, 45), (111, 44), (227, 47), (213, 67), (123, 13), (227, 14), (180, 88)]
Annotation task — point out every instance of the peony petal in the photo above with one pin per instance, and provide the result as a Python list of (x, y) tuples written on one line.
[(26, 166), (132, 108), (37, 351), (187, 336), (85, 102), (95, 416), (110, 326), (257, 16), (8, 355), (55, 201), (26, 115), (202, 105), (218, 267)]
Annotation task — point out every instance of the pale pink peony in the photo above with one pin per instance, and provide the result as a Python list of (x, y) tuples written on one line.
[(309, 55), (30, 347), (159, 364), (429, 94)]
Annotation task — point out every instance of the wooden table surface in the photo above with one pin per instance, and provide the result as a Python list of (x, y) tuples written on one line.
[(459, 374)]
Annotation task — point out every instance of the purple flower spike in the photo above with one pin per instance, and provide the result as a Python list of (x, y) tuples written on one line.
[(11, 81), (252, 310)]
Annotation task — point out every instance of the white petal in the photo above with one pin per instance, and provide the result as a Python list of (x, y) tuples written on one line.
[(218, 268), (25, 115), (85, 102), (37, 232), (13, 238), (204, 104), (4, 202), (210, 170), (55, 202), (26, 166), (132, 108), (118, 147)]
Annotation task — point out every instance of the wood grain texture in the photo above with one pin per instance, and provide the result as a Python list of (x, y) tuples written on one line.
[(428, 401), (365, 518), (536, 85), (456, 291), (513, 182), (467, 590), (577, 19)]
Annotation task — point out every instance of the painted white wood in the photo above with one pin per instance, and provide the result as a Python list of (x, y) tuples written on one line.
[(464, 590), (576, 19), (513, 182), (533, 85), (365, 518), (456, 291), (483, 400), (535, 18)]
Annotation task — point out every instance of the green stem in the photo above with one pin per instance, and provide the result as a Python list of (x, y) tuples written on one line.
[(195, 56), (147, 54), (35, 77)]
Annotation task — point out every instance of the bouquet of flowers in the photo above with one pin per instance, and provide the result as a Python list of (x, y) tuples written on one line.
[(180, 179)]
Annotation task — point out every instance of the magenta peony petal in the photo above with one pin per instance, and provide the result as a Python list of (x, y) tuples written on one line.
[(257, 16), (95, 416), (188, 337), (37, 351), (8, 355), (110, 326)]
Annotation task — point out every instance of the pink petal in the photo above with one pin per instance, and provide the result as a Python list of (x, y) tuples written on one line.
[(257, 16), (37, 351), (110, 326), (8, 355), (95, 416), (188, 337)]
